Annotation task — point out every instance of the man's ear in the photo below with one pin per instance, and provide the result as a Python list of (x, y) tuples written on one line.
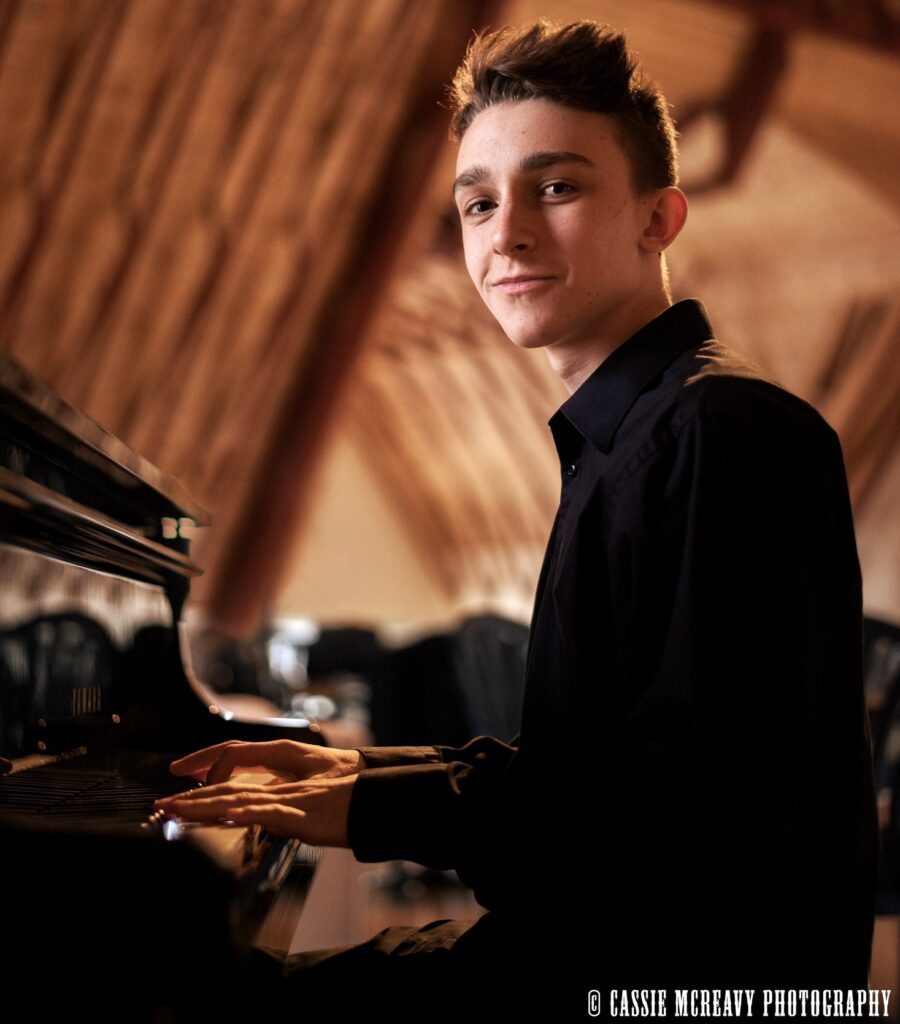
[(667, 211)]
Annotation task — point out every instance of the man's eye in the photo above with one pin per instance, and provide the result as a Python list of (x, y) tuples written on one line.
[(478, 207), (556, 188)]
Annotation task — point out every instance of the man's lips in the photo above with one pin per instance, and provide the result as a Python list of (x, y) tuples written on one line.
[(521, 283)]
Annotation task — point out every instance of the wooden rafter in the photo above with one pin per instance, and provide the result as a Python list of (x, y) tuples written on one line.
[(874, 23)]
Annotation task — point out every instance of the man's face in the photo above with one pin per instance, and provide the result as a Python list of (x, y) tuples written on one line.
[(551, 224)]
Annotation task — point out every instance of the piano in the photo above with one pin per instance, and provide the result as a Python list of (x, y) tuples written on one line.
[(107, 909)]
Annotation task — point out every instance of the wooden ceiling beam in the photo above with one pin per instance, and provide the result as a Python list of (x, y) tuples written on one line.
[(874, 23), (278, 498)]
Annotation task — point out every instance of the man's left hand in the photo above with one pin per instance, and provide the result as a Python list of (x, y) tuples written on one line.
[(313, 810)]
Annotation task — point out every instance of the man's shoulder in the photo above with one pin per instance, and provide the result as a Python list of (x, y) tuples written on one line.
[(720, 389)]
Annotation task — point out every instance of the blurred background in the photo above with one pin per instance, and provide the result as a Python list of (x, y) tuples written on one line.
[(226, 233)]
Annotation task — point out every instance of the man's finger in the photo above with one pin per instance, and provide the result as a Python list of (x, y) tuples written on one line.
[(276, 818), (199, 760), (201, 799), (216, 764), (244, 756)]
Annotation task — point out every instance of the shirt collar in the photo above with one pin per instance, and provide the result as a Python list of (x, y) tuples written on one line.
[(598, 406)]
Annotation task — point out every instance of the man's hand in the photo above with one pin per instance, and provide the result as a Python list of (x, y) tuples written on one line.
[(288, 759), (314, 810)]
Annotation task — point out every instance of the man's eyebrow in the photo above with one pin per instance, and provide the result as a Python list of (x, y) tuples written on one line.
[(538, 161), (478, 174), (473, 176)]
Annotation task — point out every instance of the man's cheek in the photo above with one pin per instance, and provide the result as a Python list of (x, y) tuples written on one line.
[(478, 278)]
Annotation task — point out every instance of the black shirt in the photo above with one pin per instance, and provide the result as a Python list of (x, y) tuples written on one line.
[(692, 775)]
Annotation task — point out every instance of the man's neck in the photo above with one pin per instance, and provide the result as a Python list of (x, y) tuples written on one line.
[(573, 364)]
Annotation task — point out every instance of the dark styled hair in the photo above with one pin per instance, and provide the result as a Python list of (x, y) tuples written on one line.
[(583, 65)]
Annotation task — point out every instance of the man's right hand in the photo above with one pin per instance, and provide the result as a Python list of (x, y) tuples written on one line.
[(287, 759)]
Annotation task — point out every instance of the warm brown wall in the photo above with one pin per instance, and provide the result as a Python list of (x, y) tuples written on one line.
[(192, 196)]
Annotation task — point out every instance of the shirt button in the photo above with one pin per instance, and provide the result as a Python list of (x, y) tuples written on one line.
[(571, 470), (480, 756)]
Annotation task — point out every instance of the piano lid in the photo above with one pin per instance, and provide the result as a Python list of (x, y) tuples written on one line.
[(38, 428)]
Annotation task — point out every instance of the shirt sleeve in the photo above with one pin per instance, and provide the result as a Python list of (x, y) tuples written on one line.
[(419, 803), (387, 757)]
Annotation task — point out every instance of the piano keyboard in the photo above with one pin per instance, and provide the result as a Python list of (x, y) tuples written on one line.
[(94, 796)]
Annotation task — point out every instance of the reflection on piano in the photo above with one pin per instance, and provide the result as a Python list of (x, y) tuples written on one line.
[(106, 907)]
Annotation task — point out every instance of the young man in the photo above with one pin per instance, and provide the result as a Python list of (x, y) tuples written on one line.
[(689, 802)]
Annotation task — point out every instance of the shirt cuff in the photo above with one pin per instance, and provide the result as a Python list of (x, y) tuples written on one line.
[(400, 813), (385, 757)]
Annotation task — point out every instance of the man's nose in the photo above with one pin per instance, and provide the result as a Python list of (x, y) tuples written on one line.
[(512, 231)]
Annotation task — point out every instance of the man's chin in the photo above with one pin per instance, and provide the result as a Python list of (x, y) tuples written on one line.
[(528, 339)]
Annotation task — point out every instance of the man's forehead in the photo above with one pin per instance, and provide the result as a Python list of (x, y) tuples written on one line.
[(510, 134)]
